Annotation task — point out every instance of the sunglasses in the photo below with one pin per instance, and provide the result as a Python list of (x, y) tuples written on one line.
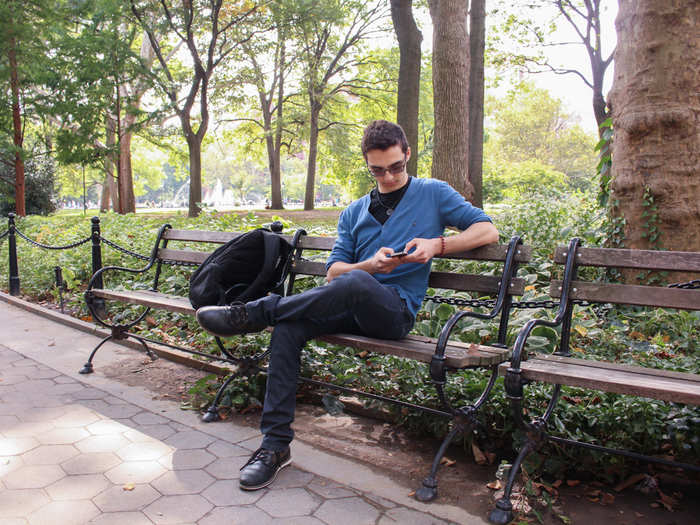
[(394, 169)]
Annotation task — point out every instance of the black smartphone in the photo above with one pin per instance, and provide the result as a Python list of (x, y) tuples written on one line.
[(397, 254)]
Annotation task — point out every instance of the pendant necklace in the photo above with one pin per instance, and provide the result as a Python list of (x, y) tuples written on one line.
[(389, 210)]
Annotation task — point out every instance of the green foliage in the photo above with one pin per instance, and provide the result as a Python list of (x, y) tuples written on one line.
[(510, 180), (39, 187), (530, 135)]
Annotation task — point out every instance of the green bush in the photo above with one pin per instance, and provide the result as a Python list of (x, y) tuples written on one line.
[(511, 180), (39, 187)]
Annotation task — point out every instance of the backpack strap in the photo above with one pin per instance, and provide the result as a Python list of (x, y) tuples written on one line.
[(294, 253)]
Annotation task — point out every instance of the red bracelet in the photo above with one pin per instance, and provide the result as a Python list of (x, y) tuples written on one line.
[(442, 246)]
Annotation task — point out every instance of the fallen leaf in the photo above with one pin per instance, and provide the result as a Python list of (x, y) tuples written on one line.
[(363, 354), (637, 335), (636, 478), (447, 461), (412, 493), (669, 502), (608, 499), (128, 486), (581, 330), (572, 482), (557, 483), (593, 500), (495, 485), (479, 456)]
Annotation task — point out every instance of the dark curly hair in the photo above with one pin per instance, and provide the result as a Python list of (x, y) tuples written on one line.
[(382, 134)]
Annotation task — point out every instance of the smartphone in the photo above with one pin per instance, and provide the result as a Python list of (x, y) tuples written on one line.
[(397, 254)]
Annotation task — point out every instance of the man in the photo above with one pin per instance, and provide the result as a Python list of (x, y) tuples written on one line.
[(369, 291)]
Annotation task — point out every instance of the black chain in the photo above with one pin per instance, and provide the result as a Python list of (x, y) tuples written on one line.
[(143, 257), (4, 234), (690, 285), (47, 247), (456, 301), (490, 303)]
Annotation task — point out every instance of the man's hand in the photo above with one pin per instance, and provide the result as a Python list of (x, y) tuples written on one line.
[(425, 249), (378, 263), (382, 263)]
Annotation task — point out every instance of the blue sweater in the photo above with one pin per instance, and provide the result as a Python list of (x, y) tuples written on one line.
[(427, 207)]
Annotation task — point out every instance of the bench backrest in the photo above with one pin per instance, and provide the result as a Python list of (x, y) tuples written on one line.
[(632, 294), (486, 284)]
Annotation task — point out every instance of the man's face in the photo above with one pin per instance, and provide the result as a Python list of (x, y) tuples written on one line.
[(392, 157)]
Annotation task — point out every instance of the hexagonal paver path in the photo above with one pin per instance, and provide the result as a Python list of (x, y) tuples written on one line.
[(73, 453)]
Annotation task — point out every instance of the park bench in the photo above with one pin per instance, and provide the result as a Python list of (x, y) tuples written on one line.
[(442, 354), (562, 368)]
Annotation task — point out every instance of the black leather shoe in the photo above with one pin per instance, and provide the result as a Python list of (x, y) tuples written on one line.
[(226, 320), (262, 468)]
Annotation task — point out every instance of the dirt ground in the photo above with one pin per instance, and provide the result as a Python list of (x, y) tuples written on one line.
[(407, 459)]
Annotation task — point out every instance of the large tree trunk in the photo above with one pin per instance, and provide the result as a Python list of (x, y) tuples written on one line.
[(656, 117), (408, 91), (477, 42), (451, 93), (18, 132), (313, 151)]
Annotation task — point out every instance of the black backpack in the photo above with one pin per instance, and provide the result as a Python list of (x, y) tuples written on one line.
[(244, 269)]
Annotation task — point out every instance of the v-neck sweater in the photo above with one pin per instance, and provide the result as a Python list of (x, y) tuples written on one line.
[(425, 210)]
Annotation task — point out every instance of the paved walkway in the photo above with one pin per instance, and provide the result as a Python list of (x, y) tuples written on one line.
[(85, 449)]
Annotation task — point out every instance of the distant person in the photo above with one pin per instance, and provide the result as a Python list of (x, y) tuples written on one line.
[(368, 292)]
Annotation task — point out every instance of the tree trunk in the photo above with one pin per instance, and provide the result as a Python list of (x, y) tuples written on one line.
[(451, 93), (408, 91), (313, 151), (477, 42), (194, 146), (126, 181), (18, 132), (109, 188), (276, 170), (655, 103)]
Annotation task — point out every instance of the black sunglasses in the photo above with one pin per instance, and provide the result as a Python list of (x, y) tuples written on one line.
[(394, 169)]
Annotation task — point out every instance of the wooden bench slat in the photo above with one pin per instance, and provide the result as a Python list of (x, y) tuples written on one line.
[(191, 256), (221, 237), (642, 259), (172, 303), (491, 252), (656, 296), (621, 379), (444, 280), (316, 268), (473, 283), (457, 356)]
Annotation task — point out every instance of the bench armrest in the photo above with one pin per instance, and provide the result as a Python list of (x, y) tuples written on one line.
[(96, 277), (513, 383)]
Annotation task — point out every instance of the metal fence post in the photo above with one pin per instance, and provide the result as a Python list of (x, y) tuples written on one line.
[(96, 250), (12, 243), (98, 302)]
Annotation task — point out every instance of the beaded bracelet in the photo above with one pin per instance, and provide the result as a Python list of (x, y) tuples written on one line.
[(442, 246)]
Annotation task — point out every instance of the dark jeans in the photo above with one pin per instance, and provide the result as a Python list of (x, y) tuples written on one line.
[(354, 302)]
